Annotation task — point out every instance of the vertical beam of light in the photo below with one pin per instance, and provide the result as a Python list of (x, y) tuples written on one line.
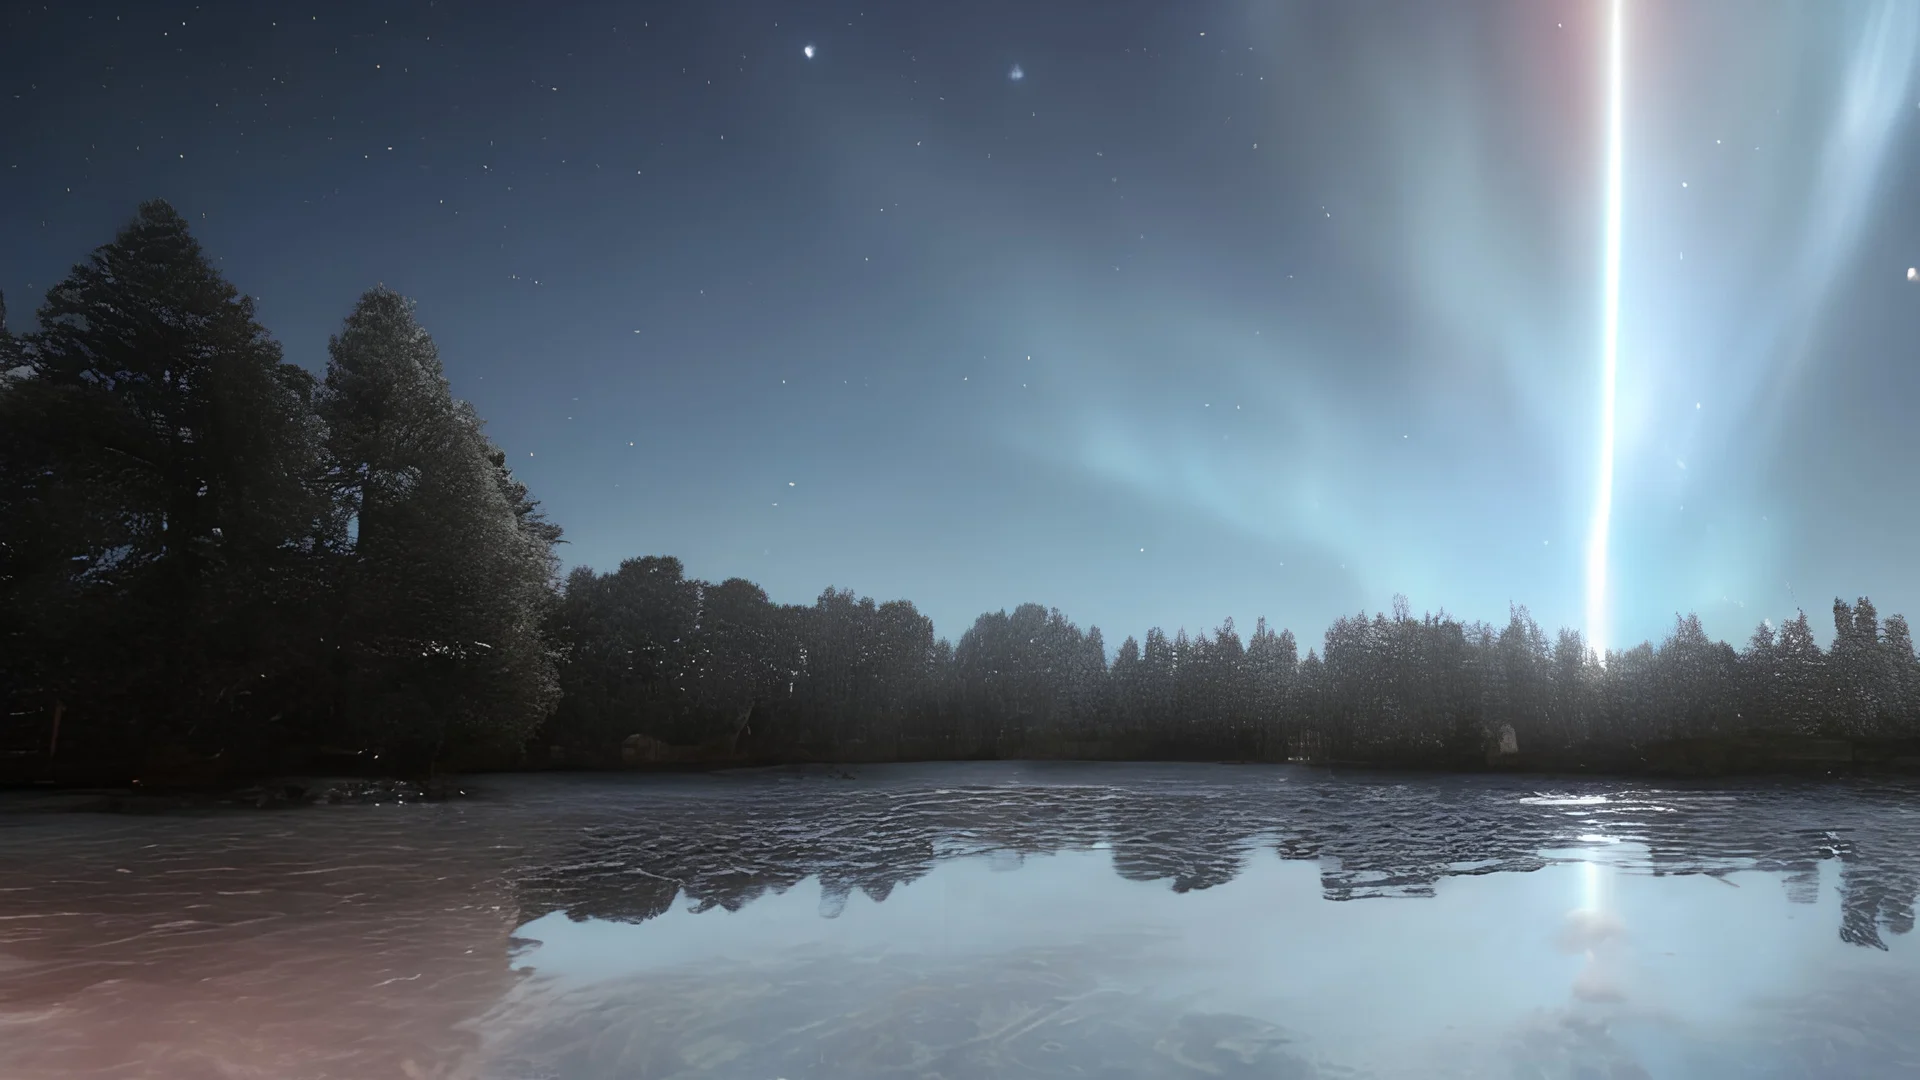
[(1597, 628)]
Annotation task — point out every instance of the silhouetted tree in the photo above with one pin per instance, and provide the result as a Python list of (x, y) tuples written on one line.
[(163, 520), (1799, 675), (1125, 677), (1695, 683), (1575, 678), (627, 641), (10, 357), (448, 575), (733, 658), (1157, 686), (1902, 709), (1760, 680), (1271, 664)]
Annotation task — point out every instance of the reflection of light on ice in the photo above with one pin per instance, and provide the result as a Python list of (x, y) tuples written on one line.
[(1592, 929)]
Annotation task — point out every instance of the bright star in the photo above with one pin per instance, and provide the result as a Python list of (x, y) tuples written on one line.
[(807, 52)]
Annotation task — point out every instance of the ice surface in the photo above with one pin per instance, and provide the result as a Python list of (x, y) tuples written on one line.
[(974, 920)]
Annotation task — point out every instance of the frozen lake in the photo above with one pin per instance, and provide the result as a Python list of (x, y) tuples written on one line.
[(976, 920)]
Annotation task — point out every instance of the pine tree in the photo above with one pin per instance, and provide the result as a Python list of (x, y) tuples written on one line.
[(631, 656), (166, 460), (735, 649), (1903, 678), (10, 357), (1128, 713), (1092, 687), (449, 577), (1861, 676), (1798, 693), (1158, 684), (25, 552)]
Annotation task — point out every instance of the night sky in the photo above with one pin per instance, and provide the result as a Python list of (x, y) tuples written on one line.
[(1154, 312)]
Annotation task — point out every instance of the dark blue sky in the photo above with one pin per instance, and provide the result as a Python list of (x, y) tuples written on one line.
[(1220, 309)]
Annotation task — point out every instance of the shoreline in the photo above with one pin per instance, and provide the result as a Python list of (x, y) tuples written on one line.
[(1735, 757)]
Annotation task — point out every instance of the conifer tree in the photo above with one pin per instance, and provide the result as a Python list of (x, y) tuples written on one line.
[(10, 357), (161, 503), (450, 570)]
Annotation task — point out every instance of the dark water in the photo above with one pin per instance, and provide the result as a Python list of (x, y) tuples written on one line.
[(975, 921)]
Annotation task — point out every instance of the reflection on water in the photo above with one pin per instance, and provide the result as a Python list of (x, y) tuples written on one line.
[(973, 921), (299, 944)]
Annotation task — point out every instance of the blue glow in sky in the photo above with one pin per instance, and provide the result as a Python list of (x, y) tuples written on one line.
[(1218, 309)]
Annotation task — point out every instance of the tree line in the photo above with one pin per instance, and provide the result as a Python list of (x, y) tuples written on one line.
[(651, 651), (209, 555)]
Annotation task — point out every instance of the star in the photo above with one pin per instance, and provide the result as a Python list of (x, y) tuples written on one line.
[(807, 51), (1016, 74)]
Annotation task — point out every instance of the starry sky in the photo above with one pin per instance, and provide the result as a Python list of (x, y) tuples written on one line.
[(1158, 313)]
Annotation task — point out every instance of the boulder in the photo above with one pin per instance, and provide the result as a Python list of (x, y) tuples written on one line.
[(644, 750)]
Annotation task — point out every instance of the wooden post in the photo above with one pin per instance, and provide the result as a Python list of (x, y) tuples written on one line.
[(53, 741)]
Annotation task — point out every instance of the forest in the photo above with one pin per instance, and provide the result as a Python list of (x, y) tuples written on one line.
[(215, 565)]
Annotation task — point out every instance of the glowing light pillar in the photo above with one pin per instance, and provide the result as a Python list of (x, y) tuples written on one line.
[(1597, 621)]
